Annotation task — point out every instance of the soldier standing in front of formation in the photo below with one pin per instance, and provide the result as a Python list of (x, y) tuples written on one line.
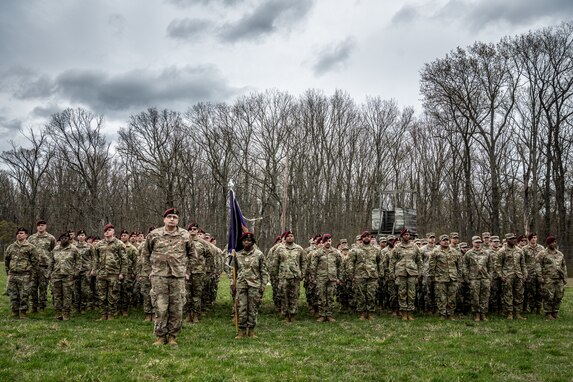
[(45, 243), (364, 267), (479, 267), (407, 268), (251, 279), (64, 268), (270, 259), (510, 266), (109, 267), (325, 270), (290, 267), (21, 261), (552, 272), (83, 297), (532, 291), (445, 269), (168, 250)]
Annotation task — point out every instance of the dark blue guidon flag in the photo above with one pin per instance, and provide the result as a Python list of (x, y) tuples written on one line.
[(237, 224)]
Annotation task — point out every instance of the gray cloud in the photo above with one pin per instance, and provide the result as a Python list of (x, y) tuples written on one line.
[(405, 15), (187, 29), (480, 14), (334, 57), (118, 23), (9, 128), (266, 19), (47, 111), (143, 88), (189, 3), (25, 83)]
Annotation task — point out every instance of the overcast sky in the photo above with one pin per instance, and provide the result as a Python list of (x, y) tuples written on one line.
[(118, 57)]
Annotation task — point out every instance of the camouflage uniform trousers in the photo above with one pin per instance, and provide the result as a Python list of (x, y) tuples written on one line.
[(532, 294), (420, 297), (479, 289), (365, 294), (430, 294), (145, 288), (290, 290), (326, 291), (392, 291), (463, 303), (276, 290), (406, 292), (83, 298), (553, 291), (136, 297), (194, 292), (248, 302), (19, 287), (512, 295), (125, 294), (311, 294), (168, 299), (39, 289), (446, 294), (107, 291), (381, 294), (207, 297), (495, 295), (62, 292), (344, 295)]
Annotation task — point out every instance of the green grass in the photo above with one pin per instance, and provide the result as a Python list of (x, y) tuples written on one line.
[(384, 349)]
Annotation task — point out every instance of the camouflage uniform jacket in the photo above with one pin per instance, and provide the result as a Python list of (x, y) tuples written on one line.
[(531, 254), (426, 250), (290, 262), (386, 262), (210, 258), (143, 268), (445, 265), (64, 261), (326, 264), (197, 262), (551, 265), (406, 260), (168, 253), (478, 264), (272, 257), (131, 255), (251, 269), (511, 262), (86, 253), (45, 244), (365, 262), (109, 258), (21, 258), (307, 260)]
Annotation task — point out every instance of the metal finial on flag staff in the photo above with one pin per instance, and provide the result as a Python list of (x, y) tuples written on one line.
[(231, 184)]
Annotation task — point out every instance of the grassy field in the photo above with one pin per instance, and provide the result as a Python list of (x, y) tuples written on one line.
[(384, 349)]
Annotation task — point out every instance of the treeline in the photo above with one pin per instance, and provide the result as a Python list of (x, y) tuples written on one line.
[(490, 151)]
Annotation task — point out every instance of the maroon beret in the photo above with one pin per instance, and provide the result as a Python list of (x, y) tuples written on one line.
[(278, 238), (530, 236), (550, 239), (81, 231), (41, 221), (171, 211), (108, 226), (365, 234), (248, 235), (21, 229), (326, 236)]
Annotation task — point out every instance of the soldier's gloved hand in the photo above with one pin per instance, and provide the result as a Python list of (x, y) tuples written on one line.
[(120, 277)]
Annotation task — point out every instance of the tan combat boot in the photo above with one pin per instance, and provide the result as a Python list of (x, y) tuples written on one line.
[(14, 314), (476, 317), (189, 318), (196, 318), (363, 317), (66, 316), (483, 317), (330, 319), (251, 333), (404, 315), (171, 342), (23, 315), (159, 341), (369, 316), (125, 314), (410, 316), (242, 334), (510, 316), (103, 317), (518, 316), (549, 317), (320, 319)]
